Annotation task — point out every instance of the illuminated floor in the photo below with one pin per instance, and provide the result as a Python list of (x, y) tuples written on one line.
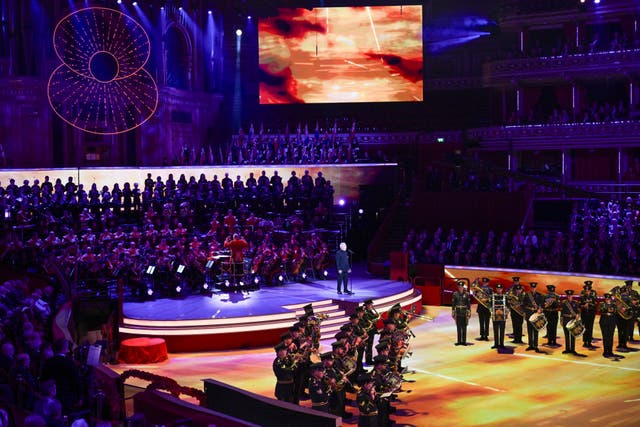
[(464, 386)]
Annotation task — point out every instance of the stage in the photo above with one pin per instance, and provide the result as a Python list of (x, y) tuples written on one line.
[(254, 318)]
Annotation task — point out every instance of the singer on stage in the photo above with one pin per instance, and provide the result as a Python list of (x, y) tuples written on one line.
[(344, 268)]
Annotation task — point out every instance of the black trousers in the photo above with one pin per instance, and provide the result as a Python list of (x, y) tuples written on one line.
[(516, 323), (369, 347), (532, 334), (498, 333), (284, 392), (484, 315), (607, 327), (552, 326), (621, 324), (343, 280), (569, 339), (461, 327), (588, 320), (630, 325)]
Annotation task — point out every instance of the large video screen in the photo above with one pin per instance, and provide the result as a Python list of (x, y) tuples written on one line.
[(341, 54)]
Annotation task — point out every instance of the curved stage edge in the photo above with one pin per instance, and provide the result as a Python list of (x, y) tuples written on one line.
[(248, 319)]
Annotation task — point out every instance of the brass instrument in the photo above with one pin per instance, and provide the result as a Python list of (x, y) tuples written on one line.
[(549, 301), (514, 303), (480, 294), (623, 309), (499, 307), (414, 314)]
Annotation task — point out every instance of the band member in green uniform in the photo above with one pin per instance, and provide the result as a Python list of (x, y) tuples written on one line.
[(460, 311)]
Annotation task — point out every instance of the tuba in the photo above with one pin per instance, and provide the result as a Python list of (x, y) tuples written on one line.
[(498, 307), (623, 309), (514, 302), (480, 294)]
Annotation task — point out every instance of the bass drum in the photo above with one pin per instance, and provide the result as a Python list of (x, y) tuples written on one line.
[(575, 327), (538, 320)]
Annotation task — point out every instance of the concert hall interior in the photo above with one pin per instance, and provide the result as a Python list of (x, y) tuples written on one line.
[(319, 212)]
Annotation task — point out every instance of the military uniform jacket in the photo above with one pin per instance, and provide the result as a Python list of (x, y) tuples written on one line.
[(460, 303), (284, 369), (551, 302), (588, 302), (532, 301), (607, 313), (318, 391), (366, 405), (570, 311)]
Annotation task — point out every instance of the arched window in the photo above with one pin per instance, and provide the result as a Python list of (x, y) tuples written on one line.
[(178, 59)]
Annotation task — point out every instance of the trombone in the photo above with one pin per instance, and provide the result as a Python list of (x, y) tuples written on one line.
[(419, 316)]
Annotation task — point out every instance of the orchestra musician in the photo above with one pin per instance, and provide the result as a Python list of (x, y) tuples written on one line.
[(379, 375), (336, 381), (623, 316), (588, 304), (460, 311), (318, 389)]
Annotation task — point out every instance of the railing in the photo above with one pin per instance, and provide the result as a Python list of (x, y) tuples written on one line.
[(602, 62)]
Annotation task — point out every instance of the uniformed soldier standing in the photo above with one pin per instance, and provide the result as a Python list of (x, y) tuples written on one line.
[(622, 318), (608, 324), (570, 311), (588, 303), (515, 304), (460, 311), (284, 369), (551, 306), (499, 317), (484, 314), (532, 303)]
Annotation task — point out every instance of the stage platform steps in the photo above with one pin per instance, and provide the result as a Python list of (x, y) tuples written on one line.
[(261, 324)]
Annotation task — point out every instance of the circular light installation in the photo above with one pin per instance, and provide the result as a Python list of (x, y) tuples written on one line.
[(101, 86)]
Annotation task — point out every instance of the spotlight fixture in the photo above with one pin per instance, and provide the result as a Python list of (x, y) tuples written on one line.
[(256, 280), (326, 273), (249, 17), (205, 286), (209, 12), (180, 9), (178, 289), (360, 211), (341, 202), (238, 32), (135, 3), (241, 283), (119, 1), (149, 291), (280, 278), (226, 283), (304, 275)]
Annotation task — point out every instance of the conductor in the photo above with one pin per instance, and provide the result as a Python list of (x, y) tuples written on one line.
[(344, 268)]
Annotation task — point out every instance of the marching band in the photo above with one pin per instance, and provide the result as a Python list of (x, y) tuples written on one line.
[(331, 378), (302, 373), (619, 309)]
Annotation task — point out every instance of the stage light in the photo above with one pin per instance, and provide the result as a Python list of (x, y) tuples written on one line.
[(596, 1), (249, 17), (178, 289), (360, 211), (341, 202), (304, 275), (205, 286), (149, 291), (238, 32), (135, 3), (209, 12), (161, 7), (119, 1), (180, 9), (583, 1), (326, 273), (241, 283), (280, 278), (256, 280), (226, 283)]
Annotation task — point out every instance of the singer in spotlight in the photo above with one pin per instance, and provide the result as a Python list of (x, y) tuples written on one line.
[(343, 266)]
